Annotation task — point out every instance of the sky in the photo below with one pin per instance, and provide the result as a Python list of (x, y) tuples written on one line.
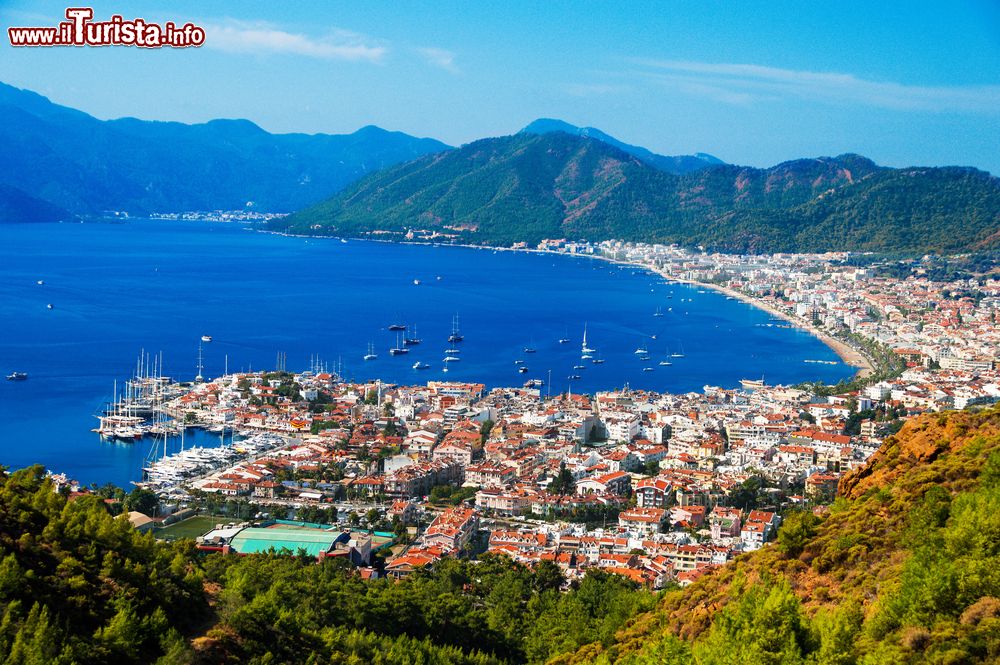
[(904, 83)]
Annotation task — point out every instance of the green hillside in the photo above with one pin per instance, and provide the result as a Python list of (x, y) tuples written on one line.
[(905, 568), (528, 187)]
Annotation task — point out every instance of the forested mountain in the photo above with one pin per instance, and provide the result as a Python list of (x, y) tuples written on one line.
[(670, 163), (87, 166), (903, 568), (528, 187)]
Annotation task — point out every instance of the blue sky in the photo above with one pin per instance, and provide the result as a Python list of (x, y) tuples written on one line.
[(752, 82)]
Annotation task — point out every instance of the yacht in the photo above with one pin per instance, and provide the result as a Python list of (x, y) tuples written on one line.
[(411, 341), (452, 359), (564, 340), (17, 376), (371, 355), (586, 356), (420, 365), (518, 362), (529, 349), (455, 335), (534, 383), (598, 361), (584, 348), (398, 350), (522, 369), (665, 363), (647, 369), (397, 326), (579, 367), (573, 377), (206, 338), (641, 351)]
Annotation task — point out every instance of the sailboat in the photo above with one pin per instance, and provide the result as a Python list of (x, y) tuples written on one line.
[(665, 362), (398, 350), (658, 313), (584, 349), (678, 354), (371, 355), (199, 378), (411, 341), (455, 336)]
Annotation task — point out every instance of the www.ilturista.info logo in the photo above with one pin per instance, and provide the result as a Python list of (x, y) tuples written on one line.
[(81, 30)]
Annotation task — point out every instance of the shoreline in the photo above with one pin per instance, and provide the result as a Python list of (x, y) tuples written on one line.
[(845, 352), (848, 354)]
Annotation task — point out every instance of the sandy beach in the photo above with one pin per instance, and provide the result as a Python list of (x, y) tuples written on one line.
[(848, 354)]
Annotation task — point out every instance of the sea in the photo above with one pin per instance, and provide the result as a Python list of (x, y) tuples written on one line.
[(110, 291)]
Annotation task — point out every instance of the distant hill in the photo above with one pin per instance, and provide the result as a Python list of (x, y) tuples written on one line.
[(530, 186), (676, 164), (18, 207), (84, 165), (902, 569)]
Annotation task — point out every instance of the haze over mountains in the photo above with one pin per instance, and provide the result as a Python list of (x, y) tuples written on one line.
[(550, 180), (86, 166)]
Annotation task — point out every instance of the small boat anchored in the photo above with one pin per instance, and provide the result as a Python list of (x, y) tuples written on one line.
[(411, 340), (399, 349), (455, 335), (17, 376), (206, 338)]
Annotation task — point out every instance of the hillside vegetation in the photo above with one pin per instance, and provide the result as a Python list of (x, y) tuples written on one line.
[(905, 568), (80, 586), (529, 187)]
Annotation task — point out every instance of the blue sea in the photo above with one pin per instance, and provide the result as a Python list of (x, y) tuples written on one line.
[(117, 288)]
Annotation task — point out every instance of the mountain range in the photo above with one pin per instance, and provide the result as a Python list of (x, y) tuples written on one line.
[(77, 163), (531, 186), (550, 180)]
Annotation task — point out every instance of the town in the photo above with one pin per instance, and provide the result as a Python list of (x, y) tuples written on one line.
[(659, 488)]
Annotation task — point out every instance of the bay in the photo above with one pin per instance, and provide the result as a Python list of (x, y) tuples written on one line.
[(116, 288)]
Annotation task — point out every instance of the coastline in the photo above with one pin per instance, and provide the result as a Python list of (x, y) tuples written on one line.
[(848, 354)]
